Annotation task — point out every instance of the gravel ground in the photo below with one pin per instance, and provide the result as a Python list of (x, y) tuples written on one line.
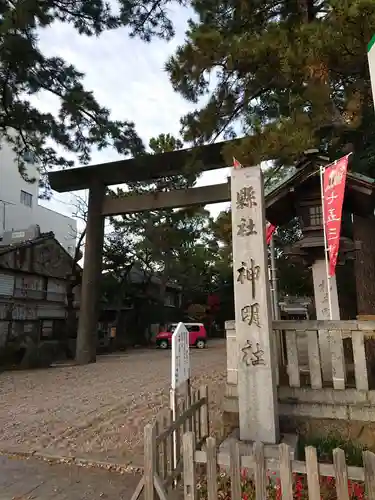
[(99, 410)]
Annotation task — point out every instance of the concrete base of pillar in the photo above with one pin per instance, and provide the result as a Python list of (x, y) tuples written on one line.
[(271, 451), (231, 429), (231, 421)]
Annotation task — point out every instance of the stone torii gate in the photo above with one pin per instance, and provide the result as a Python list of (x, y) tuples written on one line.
[(96, 179)]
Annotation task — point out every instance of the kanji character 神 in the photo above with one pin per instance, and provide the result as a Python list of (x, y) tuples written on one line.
[(248, 273)]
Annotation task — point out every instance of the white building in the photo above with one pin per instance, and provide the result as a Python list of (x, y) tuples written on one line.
[(19, 203)]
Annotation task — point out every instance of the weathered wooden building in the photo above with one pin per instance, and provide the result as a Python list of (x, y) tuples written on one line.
[(135, 306), (34, 275), (299, 197)]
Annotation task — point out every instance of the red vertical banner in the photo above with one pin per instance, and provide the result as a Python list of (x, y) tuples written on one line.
[(334, 178), (270, 229)]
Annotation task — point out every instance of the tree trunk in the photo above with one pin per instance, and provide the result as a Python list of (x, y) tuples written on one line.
[(162, 294), (119, 304), (72, 281), (364, 236)]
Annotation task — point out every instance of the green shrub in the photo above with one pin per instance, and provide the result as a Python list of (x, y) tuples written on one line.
[(325, 446)]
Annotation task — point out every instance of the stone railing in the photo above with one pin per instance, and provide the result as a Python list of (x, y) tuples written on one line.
[(321, 369), (300, 358), (324, 353)]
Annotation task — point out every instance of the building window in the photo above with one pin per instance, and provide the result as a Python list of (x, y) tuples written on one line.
[(26, 198), (30, 287), (46, 330), (316, 215)]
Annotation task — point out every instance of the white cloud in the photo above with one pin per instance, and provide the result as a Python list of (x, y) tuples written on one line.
[(127, 76)]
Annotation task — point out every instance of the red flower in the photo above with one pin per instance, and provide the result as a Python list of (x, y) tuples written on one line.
[(244, 473), (358, 491)]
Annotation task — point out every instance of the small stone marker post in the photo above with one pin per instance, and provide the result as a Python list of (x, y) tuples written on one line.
[(257, 392)]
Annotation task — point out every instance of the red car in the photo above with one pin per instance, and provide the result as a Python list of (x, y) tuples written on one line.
[(197, 336)]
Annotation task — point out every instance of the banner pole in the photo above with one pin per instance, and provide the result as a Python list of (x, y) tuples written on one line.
[(275, 296), (326, 250)]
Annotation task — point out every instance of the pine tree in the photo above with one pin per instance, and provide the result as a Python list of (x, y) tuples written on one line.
[(81, 123), (290, 75), (287, 76)]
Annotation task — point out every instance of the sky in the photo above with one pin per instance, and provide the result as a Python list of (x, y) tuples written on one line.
[(127, 76)]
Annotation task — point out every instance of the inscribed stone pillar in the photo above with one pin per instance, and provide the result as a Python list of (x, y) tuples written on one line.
[(257, 392), (88, 316), (319, 273)]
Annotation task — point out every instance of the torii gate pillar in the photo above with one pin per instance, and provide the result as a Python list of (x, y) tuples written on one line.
[(90, 288)]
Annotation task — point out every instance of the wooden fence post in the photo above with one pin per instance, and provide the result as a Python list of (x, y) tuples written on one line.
[(169, 446), (211, 468), (260, 472), (312, 473), (369, 465), (204, 415), (194, 421), (157, 426), (235, 470), (285, 472), (188, 444), (341, 474), (150, 461)]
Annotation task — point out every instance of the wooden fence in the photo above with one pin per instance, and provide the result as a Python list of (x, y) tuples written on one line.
[(163, 440), (258, 468), (347, 349)]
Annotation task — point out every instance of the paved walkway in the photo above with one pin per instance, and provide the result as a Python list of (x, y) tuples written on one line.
[(33, 479)]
